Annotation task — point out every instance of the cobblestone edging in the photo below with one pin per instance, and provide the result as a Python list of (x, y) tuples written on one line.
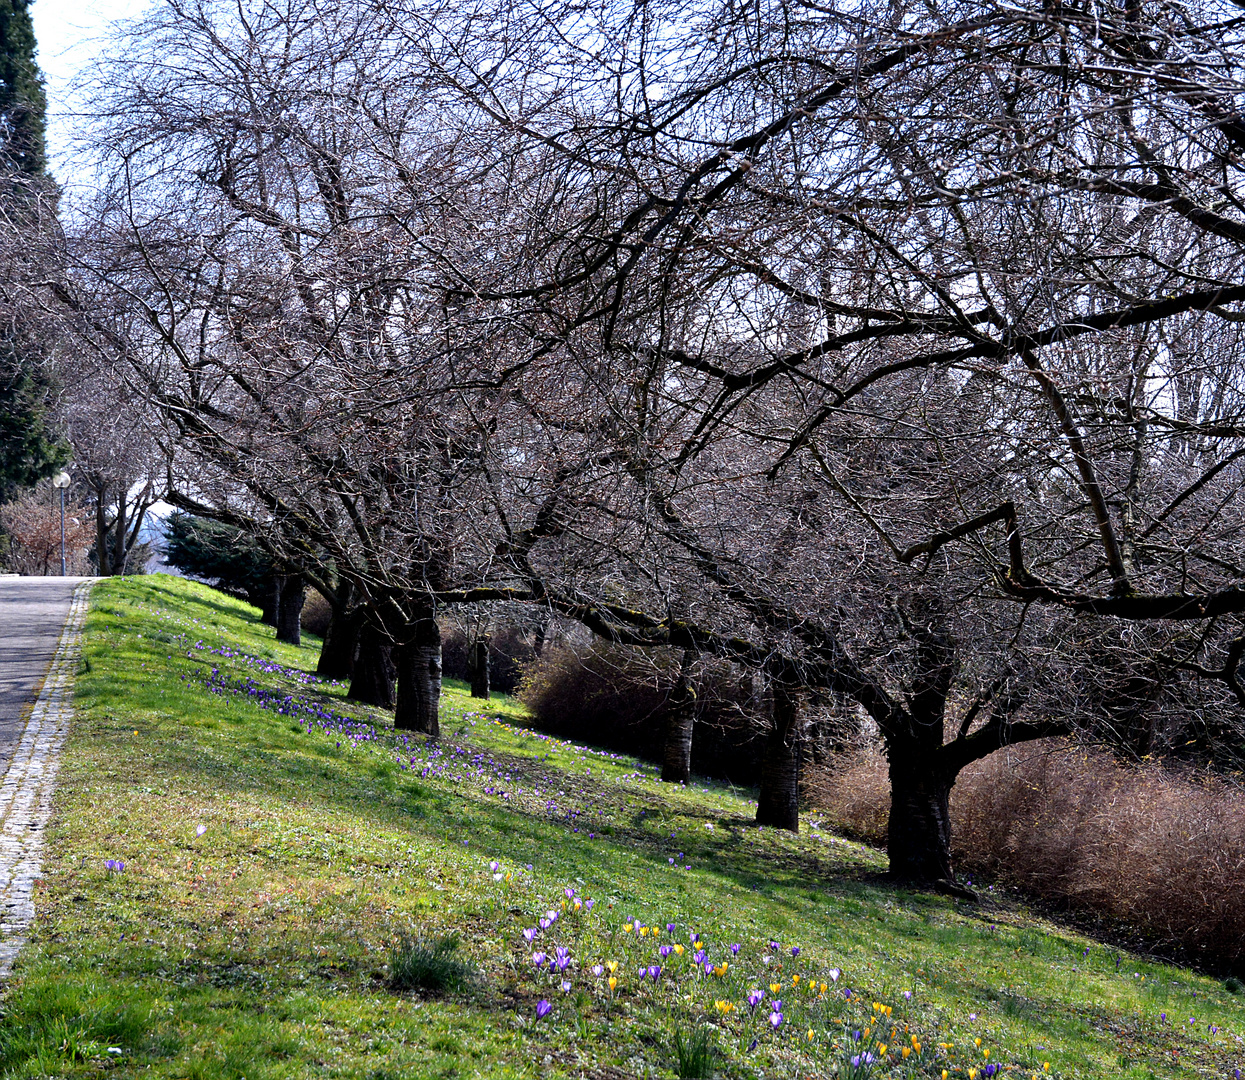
[(26, 790)]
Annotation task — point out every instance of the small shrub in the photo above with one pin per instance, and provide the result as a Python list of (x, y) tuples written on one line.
[(695, 1054), (429, 966), (615, 697), (316, 614)]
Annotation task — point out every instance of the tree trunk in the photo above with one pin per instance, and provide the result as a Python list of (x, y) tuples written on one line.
[(271, 601), (418, 661), (918, 838), (118, 538), (676, 762), (479, 669), (778, 804), (341, 639), (101, 535), (290, 609), (371, 677)]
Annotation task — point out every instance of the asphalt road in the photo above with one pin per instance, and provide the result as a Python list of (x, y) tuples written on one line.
[(32, 615)]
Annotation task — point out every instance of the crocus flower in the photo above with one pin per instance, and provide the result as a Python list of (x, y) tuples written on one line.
[(566, 986), (665, 951), (795, 950), (654, 972), (543, 1009), (598, 970), (775, 946), (907, 995), (755, 997), (834, 974), (200, 830), (735, 950), (531, 933), (539, 958), (775, 1020), (669, 928)]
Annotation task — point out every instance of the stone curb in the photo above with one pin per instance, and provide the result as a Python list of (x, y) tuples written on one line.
[(28, 784)]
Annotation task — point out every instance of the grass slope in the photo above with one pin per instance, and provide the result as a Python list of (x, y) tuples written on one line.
[(276, 848)]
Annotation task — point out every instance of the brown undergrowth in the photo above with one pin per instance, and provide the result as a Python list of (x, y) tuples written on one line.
[(1159, 851)]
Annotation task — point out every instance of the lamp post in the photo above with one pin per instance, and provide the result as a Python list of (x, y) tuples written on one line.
[(61, 481)]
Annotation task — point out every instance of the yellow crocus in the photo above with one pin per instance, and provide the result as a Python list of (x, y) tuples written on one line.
[(905, 1052), (643, 931), (626, 928), (613, 983), (972, 1074), (986, 1054), (810, 1034), (977, 1042), (795, 980), (944, 1074), (881, 1049), (678, 950), (774, 988), (613, 966)]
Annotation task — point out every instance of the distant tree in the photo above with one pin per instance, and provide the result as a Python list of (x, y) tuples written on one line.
[(224, 556)]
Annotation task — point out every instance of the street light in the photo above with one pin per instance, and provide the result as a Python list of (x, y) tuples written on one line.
[(61, 481)]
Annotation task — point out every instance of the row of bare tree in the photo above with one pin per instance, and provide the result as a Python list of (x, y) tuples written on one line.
[(892, 353)]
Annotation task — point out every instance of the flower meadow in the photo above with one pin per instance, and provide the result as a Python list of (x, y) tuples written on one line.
[(771, 1001), (653, 911)]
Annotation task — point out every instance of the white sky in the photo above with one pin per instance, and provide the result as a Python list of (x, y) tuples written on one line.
[(70, 33)]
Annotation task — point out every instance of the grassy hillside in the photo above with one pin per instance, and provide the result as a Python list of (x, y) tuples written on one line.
[(237, 853)]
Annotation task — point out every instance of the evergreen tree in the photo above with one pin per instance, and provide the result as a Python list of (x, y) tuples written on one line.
[(23, 105), (29, 448)]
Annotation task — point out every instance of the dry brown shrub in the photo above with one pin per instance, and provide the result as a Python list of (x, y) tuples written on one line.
[(316, 615), (1157, 850), (853, 792), (32, 523)]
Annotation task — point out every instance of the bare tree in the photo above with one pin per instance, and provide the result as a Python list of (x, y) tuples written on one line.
[(889, 353)]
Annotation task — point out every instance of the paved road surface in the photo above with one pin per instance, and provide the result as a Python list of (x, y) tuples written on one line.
[(32, 615)]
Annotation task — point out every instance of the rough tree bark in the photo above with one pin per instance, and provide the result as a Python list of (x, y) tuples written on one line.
[(270, 601), (919, 832), (341, 639), (372, 675), (418, 663), (676, 762), (290, 609), (778, 804), (479, 669)]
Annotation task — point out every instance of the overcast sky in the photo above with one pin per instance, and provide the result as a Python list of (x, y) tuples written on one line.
[(70, 33)]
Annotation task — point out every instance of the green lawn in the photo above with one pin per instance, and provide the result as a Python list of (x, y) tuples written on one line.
[(273, 857)]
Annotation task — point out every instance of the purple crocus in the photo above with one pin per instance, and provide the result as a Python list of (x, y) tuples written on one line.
[(598, 970), (539, 958), (665, 950), (669, 928), (566, 986), (775, 1020), (531, 933), (775, 946), (735, 950), (654, 972), (755, 997), (543, 1009), (795, 950)]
